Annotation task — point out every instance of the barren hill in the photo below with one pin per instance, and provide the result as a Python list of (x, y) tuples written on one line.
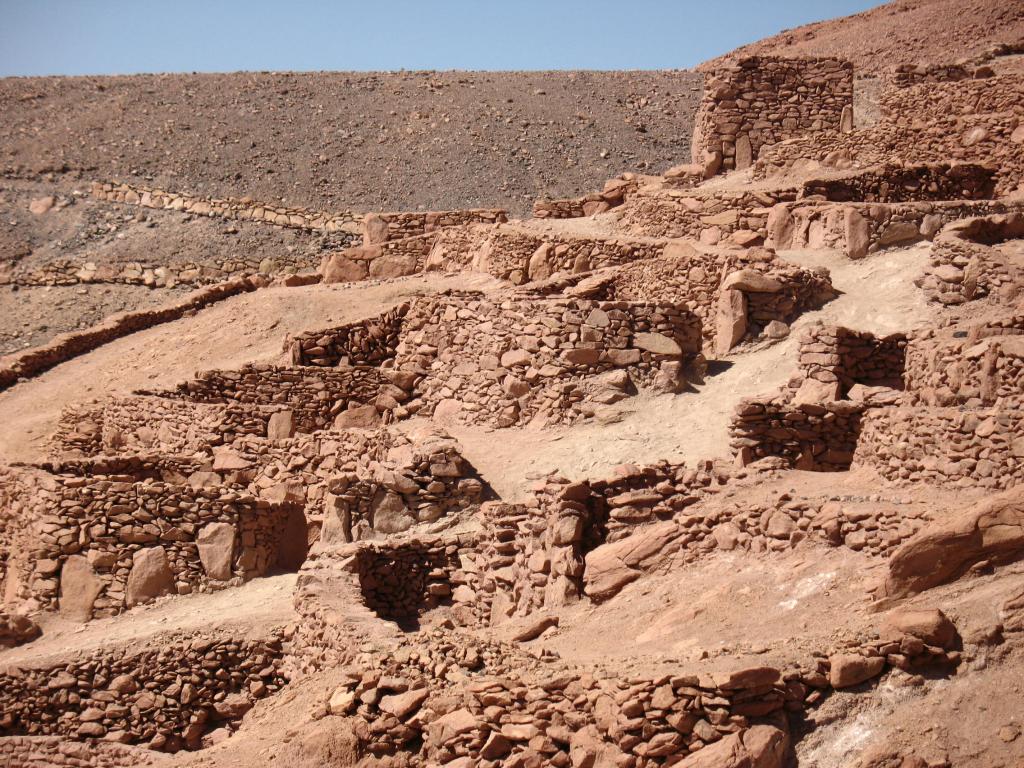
[(356, 141), (901, 32)]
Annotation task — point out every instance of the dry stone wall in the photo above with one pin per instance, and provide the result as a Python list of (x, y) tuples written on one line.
[(510, 362), (165, 697), (314, 395), (367, 342), (758, 101), (58, 752), (836, 355), (384, 227), (893, 183), (102, 543), (243, 208), (857, 229), (964, 264), (964, 121), (949, 447)]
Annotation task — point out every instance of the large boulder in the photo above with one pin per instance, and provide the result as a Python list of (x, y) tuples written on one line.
[(79, 588), (150, 576), (752, 281), (730, 320), (992, 530), (760, 746), (612, 566), (931, 626), (216, 544)]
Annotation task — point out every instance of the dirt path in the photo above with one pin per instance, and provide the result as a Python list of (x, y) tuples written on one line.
[(239, 330), (878, 296)]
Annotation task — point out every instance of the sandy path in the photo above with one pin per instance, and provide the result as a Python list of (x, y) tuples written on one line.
[(246, 328)]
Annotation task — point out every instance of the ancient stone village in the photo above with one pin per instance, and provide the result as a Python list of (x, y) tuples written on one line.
[(713, 465)]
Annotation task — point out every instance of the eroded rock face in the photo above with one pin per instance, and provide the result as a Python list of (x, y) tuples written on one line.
[(150, 576), (991, 530)]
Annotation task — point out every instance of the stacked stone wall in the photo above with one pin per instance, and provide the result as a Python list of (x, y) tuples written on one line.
[(963, 121), (759, 101), (857, 229), (836, 355), (58, 752), (165, 697), (315, 395), (244, 208), (508, 363), (367, 342), (964, 264), (101, 543), (905, 183), (384, 227), (983, 371)]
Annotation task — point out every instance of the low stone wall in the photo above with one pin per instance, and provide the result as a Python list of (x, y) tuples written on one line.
[(906, 75), (905, 183), (522, 255), (243, 208), (977, 370), (65, 346), (761, 100), (98, 544), (965, 266), (404, 579), (614, 194), (314, 395), (144, 424), (58, 752), (521, 360), (141, 696), (948, 447), (840, 356), (738, 217), (384, 227), (965, 121), (858, 229), (367, 342), (392, 258), (820, 437)]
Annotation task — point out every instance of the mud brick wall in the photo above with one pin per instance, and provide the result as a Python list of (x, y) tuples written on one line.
[(965, 121), (830, 353), (858, 229), (403, 580), (507, 363), (966, 371), (91, 532), (165, 697), (948, 447), (229, 208), (384, 227), (314, 395), (963, 264), (367, 342), (760, 100), (739, 217), (906, 183), (819, 437)]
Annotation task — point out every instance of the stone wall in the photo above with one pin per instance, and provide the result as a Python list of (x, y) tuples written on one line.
[(834, 355), (102, 543), (165, 697), (614, 194), (947, 447), (965, 266), (972, 370), (969, 120), (758, 101), (383, 227), (367, 342), (521, 360), (711, 216), (314, 395), (146, 424), (857, 229), (65, 346), (893, 183), (243, 208), (57, 752)]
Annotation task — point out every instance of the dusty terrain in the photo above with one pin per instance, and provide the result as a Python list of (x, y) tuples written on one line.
[(713, 465)]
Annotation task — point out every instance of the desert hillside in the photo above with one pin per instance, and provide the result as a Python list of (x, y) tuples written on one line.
[(584, 420)]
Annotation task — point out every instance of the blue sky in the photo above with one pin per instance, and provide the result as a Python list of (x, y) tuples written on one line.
[(74, 37)]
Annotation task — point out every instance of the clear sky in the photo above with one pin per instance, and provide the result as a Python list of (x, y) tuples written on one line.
[(74, 37)]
